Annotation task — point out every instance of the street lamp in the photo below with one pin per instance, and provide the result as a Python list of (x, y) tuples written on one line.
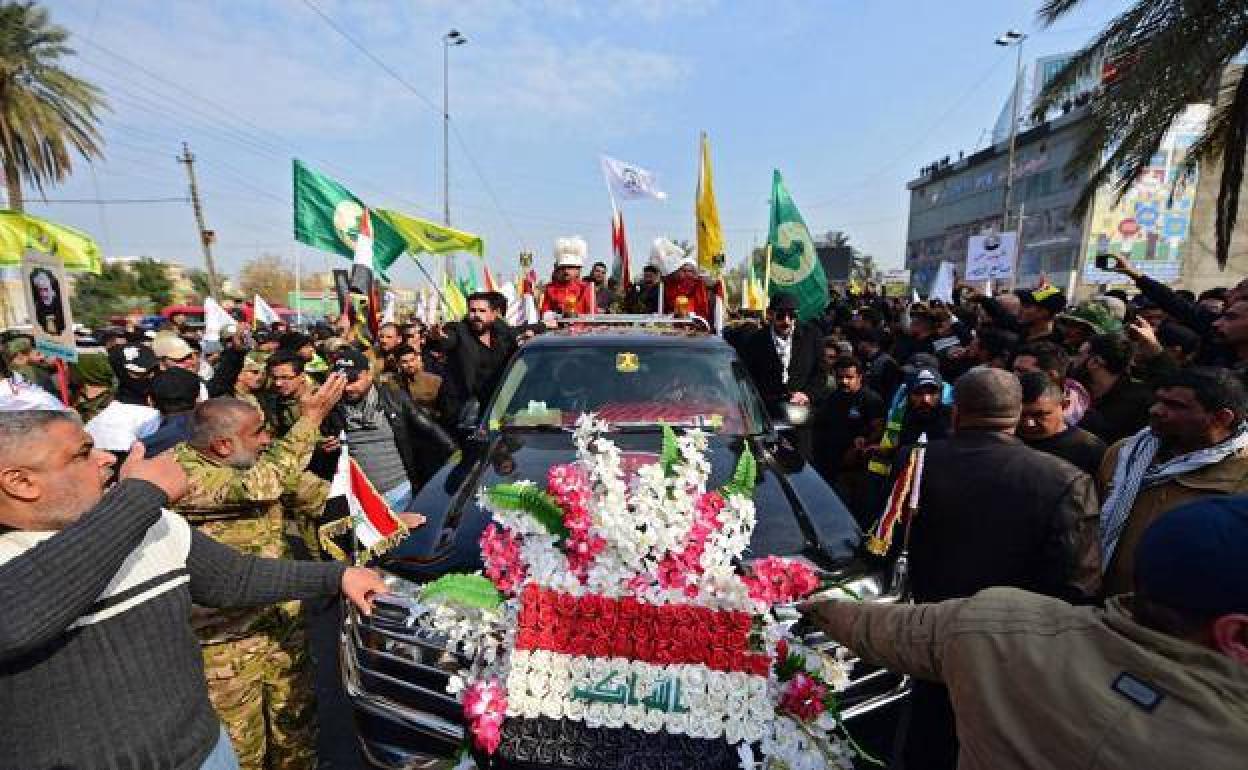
[(1012, 38), (449, 39)]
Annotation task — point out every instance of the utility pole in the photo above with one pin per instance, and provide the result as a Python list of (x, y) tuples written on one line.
[(205, 235)]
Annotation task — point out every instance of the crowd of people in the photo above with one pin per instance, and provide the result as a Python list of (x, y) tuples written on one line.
[(1060, 439)]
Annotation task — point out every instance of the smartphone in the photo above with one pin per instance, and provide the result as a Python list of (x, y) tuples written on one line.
[(1103, 262)]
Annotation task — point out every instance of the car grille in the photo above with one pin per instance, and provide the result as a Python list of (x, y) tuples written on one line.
[(396, 670)]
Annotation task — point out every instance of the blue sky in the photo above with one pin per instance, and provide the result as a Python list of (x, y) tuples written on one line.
[(847, 97)]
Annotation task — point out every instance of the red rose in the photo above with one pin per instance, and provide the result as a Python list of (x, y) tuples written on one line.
[(546, 601), (601, 648), (629, 608), (720, 660), (566, 604), (760, 665), (644, 647)]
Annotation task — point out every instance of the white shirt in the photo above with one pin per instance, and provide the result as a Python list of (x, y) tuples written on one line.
[(784, 349), (17, 395), (120, 425)]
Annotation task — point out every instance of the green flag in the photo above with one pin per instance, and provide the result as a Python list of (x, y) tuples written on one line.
[(327, 216), (795, 267), (425, 237), (19, 232)]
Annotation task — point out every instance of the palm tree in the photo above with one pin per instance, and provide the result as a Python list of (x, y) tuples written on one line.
[(46, 113), (1162, 55)]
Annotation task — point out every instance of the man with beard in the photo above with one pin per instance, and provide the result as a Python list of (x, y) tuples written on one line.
[(644, 297), (47, 293), (1196, 445), (476, 350), (1043, 425), (598, 281), (99, 666), (256, 662), (1120, 403), (786, 362), (1231, 331)]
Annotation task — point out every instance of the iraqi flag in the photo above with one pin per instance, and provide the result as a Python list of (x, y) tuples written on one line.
[(622, 271), (369, 519), (721, 305)]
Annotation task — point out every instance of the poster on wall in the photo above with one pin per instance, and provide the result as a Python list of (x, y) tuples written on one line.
[(47, 304), (990, 257), (1149, 225)]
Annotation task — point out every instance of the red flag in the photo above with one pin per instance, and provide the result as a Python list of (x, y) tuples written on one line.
[(622, 272)]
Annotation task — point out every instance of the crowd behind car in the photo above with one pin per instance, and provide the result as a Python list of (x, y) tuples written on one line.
[(1056, 434)]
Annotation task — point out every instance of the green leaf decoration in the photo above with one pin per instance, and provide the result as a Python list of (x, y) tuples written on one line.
[(745, 475), (670, 453), (531, 500), (463, 590)]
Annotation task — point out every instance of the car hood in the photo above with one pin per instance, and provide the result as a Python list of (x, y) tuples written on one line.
[(797, 513)]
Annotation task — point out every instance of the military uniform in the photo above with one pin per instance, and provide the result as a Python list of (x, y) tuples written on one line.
[(255, 659)]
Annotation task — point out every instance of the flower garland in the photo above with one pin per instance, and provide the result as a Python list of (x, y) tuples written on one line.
[(619, 602)]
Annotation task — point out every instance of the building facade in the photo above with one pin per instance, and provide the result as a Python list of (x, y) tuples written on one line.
[(952, 201)]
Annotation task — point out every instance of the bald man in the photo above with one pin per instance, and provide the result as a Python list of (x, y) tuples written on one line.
[(993, 512)]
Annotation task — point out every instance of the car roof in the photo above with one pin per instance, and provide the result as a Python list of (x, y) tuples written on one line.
[(632, 337)]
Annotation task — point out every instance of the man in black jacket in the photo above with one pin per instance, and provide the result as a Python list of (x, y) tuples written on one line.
[(993, 512), (785, 359), (476, 350), (397, 444)]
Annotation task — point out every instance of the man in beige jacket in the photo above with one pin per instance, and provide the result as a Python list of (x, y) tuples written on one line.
[(1158, 680)]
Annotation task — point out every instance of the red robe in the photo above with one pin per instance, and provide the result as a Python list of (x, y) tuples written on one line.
[(556, 295), (692, 289)]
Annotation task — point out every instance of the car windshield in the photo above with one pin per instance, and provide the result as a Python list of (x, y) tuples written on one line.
[(629, 387)]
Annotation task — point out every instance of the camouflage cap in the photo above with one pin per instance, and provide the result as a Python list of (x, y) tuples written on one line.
[(255, 360), (19, 345), (1093, 315)]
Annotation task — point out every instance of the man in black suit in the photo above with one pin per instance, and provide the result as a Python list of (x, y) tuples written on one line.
[(785, 359)]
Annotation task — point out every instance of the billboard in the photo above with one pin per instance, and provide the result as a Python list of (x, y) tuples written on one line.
[(1150, 225)]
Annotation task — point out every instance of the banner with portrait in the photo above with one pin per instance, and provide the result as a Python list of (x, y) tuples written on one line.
[(46, 289)]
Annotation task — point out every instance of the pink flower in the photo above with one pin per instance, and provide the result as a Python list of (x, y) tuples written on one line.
[(504, 565), (775, 580), (803, 697), (485, 705)]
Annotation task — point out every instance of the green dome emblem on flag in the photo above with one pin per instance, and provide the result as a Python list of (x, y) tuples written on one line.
[(793, 246), (347, 221)]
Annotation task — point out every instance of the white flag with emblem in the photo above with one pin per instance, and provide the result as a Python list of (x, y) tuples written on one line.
[(629, 182), (263, 313)]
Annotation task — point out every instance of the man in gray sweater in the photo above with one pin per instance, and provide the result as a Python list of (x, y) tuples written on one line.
[(99, 667)]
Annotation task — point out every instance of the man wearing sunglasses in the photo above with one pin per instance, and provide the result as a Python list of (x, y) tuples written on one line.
[(785, 359)]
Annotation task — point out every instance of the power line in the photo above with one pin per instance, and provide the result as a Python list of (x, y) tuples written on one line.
[(459, 139), (111, 201)]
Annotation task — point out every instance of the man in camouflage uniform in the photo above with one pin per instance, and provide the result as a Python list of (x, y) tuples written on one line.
[(251, 378), (255, 659), (304, 498), (92, 378)]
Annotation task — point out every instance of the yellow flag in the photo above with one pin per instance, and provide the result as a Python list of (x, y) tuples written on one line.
[(423, 236), (454, 303), (710, 236), (19, 232)]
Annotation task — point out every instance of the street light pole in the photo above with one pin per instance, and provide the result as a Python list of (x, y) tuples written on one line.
[(449, 39), (1013, 38)]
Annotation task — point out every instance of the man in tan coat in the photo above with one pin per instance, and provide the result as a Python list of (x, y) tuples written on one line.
[(1196, 446), (1158, 680)]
